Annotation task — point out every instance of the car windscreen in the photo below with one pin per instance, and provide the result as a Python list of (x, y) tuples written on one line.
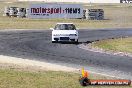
[(65, 27)]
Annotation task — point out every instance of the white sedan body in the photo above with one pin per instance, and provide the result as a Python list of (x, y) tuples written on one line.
[(66, 35)]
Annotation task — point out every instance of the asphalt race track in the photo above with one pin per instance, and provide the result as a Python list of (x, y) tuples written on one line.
[(36, 45)]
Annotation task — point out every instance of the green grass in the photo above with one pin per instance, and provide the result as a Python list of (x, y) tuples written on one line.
[(47, 79), (121, 44), (116, 15)]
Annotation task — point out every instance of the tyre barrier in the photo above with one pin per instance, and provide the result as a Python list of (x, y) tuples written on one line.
[(15, 12), (93, 14)]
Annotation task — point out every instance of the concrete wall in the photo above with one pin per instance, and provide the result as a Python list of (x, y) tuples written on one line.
[(82, 1)]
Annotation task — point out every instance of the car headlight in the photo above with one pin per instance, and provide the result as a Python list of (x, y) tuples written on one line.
[(61, 35), (56, 34), (73, 35)]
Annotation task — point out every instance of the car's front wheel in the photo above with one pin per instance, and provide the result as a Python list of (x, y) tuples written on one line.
[(53, 41), (76, 41)]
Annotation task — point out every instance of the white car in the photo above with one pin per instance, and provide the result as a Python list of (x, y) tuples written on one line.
[(65, 32)]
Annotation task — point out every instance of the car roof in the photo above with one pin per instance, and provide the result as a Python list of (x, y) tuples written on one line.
[(64, 23)]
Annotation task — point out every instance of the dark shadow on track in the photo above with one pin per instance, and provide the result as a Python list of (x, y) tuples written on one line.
[(76, 43)]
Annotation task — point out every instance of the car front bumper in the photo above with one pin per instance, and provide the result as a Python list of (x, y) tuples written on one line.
[(65, 38)]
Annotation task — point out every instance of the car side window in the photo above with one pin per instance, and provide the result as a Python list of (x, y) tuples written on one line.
[(57, 27)]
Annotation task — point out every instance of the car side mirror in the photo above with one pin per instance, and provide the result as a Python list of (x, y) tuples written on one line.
[(77, 28), (51, 28)]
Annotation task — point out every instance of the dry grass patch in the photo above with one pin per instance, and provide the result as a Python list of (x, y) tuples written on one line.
[(120, 45)]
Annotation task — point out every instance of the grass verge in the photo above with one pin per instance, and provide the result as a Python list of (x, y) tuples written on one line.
[(121, 44), (10, 78)]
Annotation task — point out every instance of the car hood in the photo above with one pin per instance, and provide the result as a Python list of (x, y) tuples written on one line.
[(64, 31)]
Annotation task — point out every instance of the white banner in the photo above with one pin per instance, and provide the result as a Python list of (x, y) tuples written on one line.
[(55, 11)]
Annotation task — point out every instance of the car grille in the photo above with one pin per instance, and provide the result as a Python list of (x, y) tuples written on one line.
[(64, 38)]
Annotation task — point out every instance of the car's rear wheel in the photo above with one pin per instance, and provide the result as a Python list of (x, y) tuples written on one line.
[(76, 41)]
